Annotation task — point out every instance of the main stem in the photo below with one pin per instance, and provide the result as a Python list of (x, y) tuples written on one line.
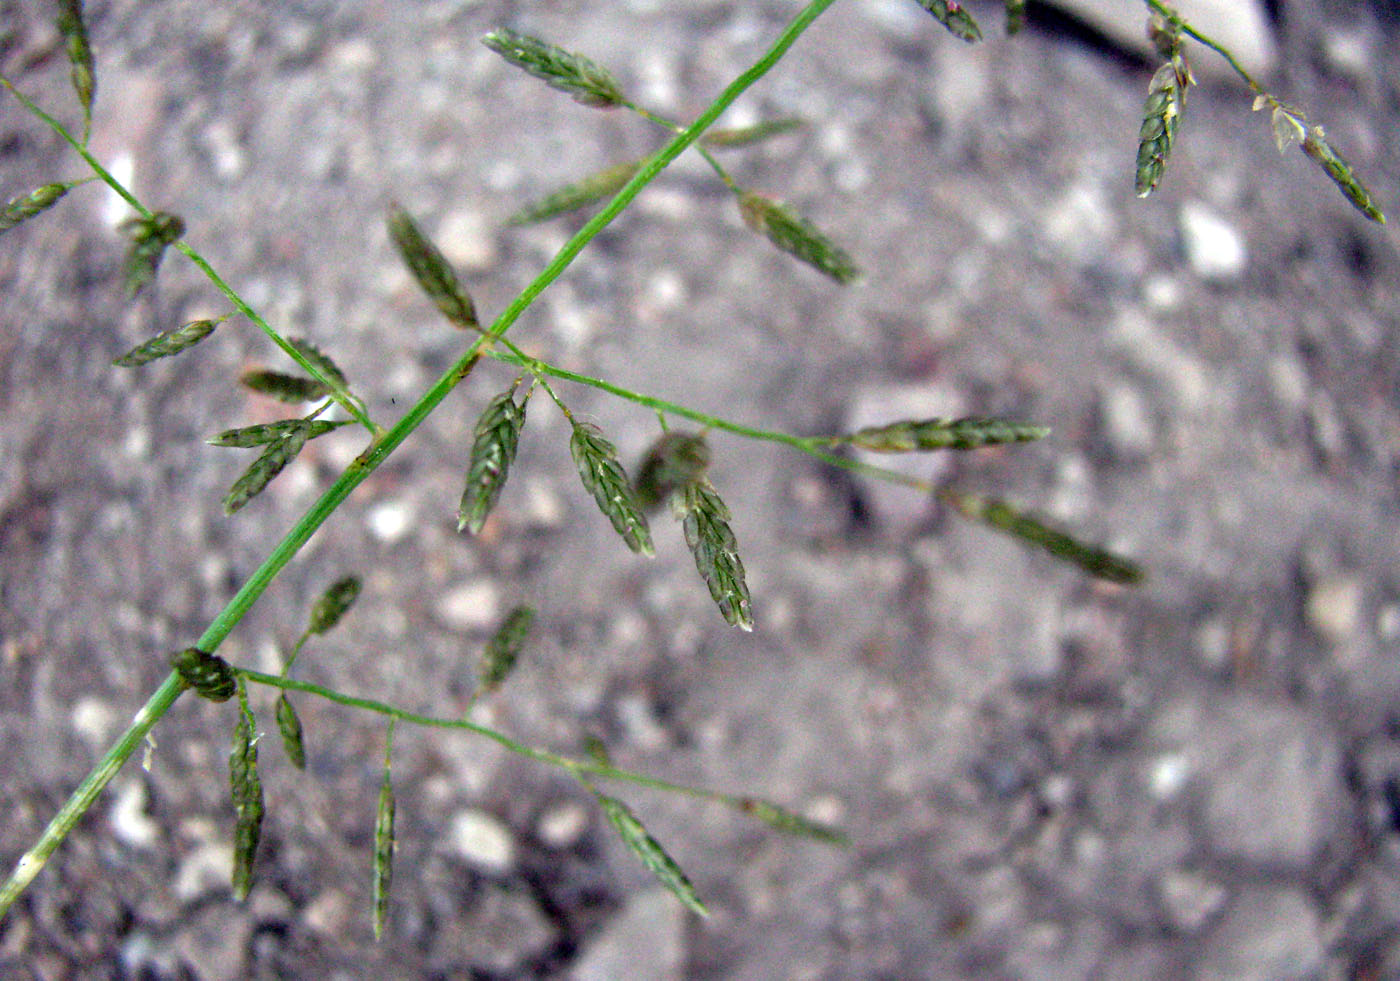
[(378, 451)]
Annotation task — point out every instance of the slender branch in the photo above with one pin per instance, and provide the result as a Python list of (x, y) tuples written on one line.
[(1176, 20)]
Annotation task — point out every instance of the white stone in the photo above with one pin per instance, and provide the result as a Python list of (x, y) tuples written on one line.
[(1213, 248), (482, 840), (1189, 899), (653, 921), (562, 825), (1240, 25), (390, 521), (473, 605), (128, 818), (466, 239)]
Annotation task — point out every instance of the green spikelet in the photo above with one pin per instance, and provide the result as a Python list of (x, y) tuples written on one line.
[(640, 842), (292, 389), (705, 520), (672, 462), (498, 660), (1317, 148), (319, 360), (209, 675), (594, 187), (270, 432), (1161, 115), (1015, 16), (74, 30), (728, 138), (167, 343), (587, 83), (384, 842), (431, 269), (951, 15), (797, 237), (262, 471), (942, 434), (333, 604), (789, 823), (247, 797), (1002, 516), (604, 478), (293, 738), (497, 434), (149, 238), (26, 206)]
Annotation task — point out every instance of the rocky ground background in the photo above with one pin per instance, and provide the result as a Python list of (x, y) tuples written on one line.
[(1043, 776)]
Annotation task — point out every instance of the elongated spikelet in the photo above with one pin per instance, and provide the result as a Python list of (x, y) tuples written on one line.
[(943, 434), (951, 15), (1092, 559), (167, 343), (1317, 148), (333, 604), (293, 738), (319, 360), (431, 269), (292, 389), (789, 823), (705, 520), (1161, 114), (797, 237), (26, 206), (247, 794), (493, 450), (74, 31), (149, 238), (672, 462), (640, 842), (737, 136), (270, 432), (585, 81), (604, 478), (502, 650), (1015, 16), (384, 842), (594, 187), (208, 674), (262, 471)]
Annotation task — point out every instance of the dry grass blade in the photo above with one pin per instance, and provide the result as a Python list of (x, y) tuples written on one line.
[(1317, 148), (431, 269), (595, 187), (292, 389), (267, 466), (951, 15), (797, 237), (672, 462), (384, 842), (208, 674), (149, 239), (968, 433), (640, 842), (705, 520), (502, 650), (497, 434), (604, 478), (789, 823), (1092, 559), (293, 738), (737, 136), (74, 30), (333, 604), (167, 343), (247, 793), (26, 206), (585, 81), (270, 432), (1161, 114)]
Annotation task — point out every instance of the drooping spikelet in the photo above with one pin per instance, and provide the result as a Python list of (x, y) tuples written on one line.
[(585, 81)]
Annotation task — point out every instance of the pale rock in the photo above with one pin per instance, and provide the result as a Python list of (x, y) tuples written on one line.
[(472, 605), (1242, 26), (1214, 249), (652, 921), (1189, 899), (1267, 935), (482, 840)]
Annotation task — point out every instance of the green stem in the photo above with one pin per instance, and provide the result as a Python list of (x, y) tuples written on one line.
[(700, 148), (379, 449), (1185, 28)]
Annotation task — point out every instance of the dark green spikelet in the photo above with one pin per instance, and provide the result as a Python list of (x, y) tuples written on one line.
[(270, 432), (1004, 517), (74, 30), (247, 793), (262, 471), (149, 239), (951, 15), (292, 389), (167, 343), (968, 433), (502, 650), (431, 269), (595, 187), (705, 520), (319, 360), (208, 674), (789, 823), (604, 478), (497, 434), (640, 843), (797, 237), (672, 462), (585, 81), (1015, 16), (384, 842), (1317, 148), (26, 206), (1161, 114), (333, 604), (737, 136), (293, 738)]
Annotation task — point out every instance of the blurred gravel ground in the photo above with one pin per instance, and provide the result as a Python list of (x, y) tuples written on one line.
[(1044, 777)]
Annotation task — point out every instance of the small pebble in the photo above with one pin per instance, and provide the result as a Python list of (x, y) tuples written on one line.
[(482, 840), (1214, 249)]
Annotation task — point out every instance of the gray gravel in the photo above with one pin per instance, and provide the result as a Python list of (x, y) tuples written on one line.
[(1043, 776)]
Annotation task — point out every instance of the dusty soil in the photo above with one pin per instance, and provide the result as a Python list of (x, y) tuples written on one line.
[(1043, 776)]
